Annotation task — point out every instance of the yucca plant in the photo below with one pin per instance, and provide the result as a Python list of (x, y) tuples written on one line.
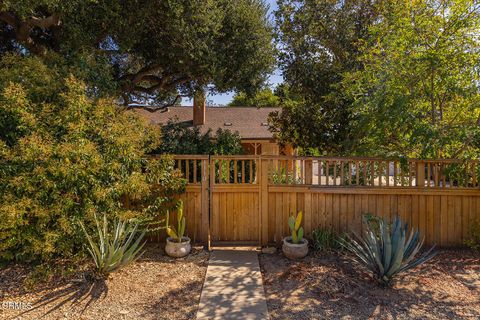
[(296, 230), (176, 234), (113, 251), (388, 252)]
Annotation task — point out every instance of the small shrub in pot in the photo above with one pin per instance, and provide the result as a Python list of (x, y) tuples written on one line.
[(295, 246), (178, 245)]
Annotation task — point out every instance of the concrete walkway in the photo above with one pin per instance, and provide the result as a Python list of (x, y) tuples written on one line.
[(233, 287)]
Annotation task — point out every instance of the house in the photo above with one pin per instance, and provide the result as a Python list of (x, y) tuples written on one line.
[(250, 122)]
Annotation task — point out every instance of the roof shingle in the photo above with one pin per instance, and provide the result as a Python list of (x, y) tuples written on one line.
[(249, 122)]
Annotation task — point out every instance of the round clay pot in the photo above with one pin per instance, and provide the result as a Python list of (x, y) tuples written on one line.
[(295, 251), (178, 249)]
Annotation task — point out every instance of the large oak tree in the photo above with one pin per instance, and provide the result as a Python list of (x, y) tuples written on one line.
[(143, 51)]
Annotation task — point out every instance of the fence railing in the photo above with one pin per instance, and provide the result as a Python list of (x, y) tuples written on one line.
[(372, 172), (192, 167), (234, 169), (331, 171)]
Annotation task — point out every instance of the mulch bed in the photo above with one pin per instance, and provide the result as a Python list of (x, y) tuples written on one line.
[(154, 287), (331, 286)]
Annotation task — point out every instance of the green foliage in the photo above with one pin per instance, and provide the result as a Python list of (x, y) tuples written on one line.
[(226, 142), (417, 93), (178, 138), (176, 234), (385, 78), (114, 249), (263, 98), (65, 157), (324, 239), (388, 252), (318, 43), (147, 51), (282, 176), (473, 241), (294, 223)]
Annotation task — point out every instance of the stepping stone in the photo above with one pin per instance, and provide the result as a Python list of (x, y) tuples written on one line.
[(233, 287)]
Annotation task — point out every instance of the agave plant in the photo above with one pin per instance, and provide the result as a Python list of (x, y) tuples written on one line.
[(114, 251), (388, 252)]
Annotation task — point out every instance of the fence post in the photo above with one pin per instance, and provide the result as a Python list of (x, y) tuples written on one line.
[(308, 172), (420, 174), (263, 201), (205, 201)]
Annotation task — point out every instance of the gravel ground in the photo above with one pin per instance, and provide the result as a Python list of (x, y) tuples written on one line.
[(154, 287), (330, 286)]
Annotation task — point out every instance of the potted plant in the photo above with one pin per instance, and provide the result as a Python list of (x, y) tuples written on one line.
[(178, 245), (295, 246)]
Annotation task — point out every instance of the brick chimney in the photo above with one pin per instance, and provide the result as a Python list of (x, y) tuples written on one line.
[(199, 106)]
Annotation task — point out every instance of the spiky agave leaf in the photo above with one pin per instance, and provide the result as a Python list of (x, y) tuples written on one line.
[(112, 254), (388, 253)]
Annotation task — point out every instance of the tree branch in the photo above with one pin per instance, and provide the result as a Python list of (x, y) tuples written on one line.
[(156, 108), (24, 28)]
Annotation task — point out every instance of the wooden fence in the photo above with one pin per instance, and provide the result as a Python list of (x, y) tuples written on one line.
[(247, 199)]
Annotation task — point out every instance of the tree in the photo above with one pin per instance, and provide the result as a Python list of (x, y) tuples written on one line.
[(263, 98), (417, 94), (65, 157), (318, 43), (142, 51)]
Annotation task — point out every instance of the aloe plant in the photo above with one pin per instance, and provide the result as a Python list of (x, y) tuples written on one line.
[(296, 230), (112, 252), (388, 252), (176, 234)]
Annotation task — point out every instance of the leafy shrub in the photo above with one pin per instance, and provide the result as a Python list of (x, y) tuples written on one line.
[(281, 176), (65, 157), (327, 240), (113, 250), (389, 253), (473, 241), (177, 138)]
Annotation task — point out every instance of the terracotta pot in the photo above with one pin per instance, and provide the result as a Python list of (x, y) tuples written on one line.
[(295, 251), (178, 249)]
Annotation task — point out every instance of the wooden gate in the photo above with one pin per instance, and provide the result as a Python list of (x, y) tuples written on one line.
[(235, 199)]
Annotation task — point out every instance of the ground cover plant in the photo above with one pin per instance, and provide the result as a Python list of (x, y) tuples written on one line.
[(325, 240)]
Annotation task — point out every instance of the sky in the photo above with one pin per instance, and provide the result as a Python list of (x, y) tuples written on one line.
[(225, 98)]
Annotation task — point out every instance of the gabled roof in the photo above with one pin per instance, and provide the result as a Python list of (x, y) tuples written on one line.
[(249, 122)]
